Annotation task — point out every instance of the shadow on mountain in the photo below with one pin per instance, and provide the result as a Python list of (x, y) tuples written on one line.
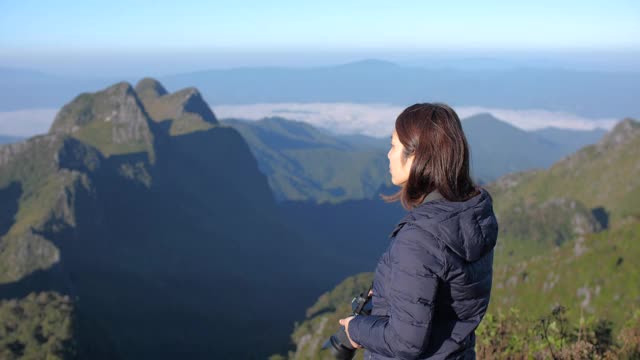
[(182, 258), (349, 236), (9, 198), (602, 216), (185, 254)]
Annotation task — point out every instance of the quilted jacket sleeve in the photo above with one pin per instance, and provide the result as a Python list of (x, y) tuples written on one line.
[(404, 334)]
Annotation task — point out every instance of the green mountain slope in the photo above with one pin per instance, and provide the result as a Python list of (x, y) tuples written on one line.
[(587, 272), (112, 120), (595, 188), (35, 193), (604, 177), (305, 163), (596, 276)]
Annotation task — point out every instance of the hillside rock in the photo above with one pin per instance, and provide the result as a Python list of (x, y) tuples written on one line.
[(185, 109), (48, 143), (149, 88), (40, 176), (623, 133), (550, 222), (112, 120)]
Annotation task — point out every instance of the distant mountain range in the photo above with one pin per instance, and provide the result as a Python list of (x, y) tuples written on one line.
[(29, 89), (589, 94)]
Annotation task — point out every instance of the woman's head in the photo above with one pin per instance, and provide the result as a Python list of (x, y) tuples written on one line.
[(429, 152)]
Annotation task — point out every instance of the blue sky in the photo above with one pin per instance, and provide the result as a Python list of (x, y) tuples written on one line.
[(35, 32), (291, 25)]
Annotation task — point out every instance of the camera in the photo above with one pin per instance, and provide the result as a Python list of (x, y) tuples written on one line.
[(339, 343)]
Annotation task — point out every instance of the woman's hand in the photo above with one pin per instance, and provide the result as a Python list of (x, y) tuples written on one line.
[(345, 322)]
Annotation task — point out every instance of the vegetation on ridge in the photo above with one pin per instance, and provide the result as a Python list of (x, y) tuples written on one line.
[(39, 326)]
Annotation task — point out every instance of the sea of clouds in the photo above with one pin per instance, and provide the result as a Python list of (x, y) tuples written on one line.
[(342, 118), (26, 122), (378, 119)]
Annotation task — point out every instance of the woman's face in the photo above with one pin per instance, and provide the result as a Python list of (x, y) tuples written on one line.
[(399, 171)]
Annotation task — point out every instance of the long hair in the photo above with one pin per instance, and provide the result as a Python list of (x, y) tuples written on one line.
[(433, 133)]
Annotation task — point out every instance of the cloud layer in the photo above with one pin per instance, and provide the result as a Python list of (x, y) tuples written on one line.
[(343, 118), (378, 119), (26, 122)]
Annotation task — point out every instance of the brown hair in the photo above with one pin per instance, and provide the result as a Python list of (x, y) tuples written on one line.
[(433, 133)]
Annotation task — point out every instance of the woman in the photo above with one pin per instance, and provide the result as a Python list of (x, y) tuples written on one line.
[(431, 287)]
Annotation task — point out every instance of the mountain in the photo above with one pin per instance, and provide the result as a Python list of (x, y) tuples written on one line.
[(155, 221), (568, 237), (187, 109), (303, 162), (602, 176), (591, 94), (599, 189), (567, 276), (572, 140), (306, 163), (555, 224), (113, 121), (590, 190), (498, 148), (158, 223)]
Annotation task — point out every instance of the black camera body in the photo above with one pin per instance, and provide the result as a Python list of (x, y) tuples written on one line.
[(339, 343)]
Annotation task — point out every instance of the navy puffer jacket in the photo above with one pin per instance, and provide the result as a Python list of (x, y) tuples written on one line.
[(431, 287)]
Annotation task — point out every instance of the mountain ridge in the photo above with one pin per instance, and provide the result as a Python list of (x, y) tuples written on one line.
[(130, 237), (185, 109)]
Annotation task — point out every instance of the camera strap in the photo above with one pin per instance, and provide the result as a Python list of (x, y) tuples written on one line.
[(367, 297)]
